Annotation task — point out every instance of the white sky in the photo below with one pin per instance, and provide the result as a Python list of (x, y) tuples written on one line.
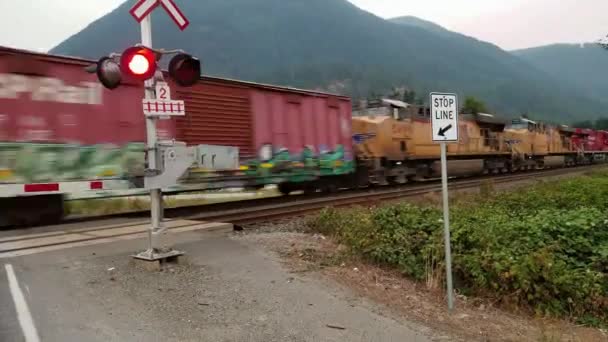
[(41, 24)]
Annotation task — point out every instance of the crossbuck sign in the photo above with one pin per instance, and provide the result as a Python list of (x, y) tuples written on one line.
[(144, 7)]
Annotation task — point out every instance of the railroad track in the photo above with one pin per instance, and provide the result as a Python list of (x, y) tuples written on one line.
[(243, 213), (257, 214), (240, 211)]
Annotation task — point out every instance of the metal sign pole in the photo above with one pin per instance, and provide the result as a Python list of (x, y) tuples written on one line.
[(446, 224), (155, 194), (444, 129)]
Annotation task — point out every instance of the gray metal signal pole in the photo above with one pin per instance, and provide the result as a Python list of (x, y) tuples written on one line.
[(446, 225), (151, 137)]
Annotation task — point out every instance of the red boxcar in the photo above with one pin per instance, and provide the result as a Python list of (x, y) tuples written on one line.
[(46, 98), (590, 140), (601, 141)]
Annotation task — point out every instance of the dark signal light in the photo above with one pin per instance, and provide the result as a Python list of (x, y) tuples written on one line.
[(108, 73), (185, 70)]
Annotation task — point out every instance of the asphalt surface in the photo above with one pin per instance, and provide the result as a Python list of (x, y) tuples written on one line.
[(224, 290), (9, 324)]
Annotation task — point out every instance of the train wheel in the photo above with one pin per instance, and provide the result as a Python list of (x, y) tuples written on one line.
[(32, 210), (285, 188), (332, 188), (310, 188)]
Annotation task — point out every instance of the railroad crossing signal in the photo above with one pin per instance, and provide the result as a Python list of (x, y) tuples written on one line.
[(141, 63)]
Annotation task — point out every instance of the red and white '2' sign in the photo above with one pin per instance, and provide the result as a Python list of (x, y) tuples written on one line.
[(144, 7), (163, 92)]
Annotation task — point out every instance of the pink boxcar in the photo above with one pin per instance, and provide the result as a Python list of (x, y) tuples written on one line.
[(51, 99)]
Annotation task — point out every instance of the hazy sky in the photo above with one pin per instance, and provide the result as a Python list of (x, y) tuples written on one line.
[(509, 24)]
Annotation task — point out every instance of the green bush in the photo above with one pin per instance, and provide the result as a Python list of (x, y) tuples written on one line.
[(546, 248)]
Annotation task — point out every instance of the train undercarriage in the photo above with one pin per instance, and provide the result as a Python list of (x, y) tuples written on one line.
[(49, 208), (382, 172), (31, 210)]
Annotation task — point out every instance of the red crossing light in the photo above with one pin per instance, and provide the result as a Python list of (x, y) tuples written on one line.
[(139, 62)]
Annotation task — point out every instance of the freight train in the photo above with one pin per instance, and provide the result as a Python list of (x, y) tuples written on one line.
[(393, 145), (61, 133)]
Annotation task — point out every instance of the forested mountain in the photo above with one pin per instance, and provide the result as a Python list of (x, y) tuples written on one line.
[(334, 45), (421, 23), (584, 66)]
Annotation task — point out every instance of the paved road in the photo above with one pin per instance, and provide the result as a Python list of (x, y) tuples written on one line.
[(226, 290)]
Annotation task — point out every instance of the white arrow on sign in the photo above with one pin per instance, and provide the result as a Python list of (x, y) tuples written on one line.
[(144, 7)]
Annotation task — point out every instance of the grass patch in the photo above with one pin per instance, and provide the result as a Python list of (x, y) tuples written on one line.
[(107, 206), (545, 248)]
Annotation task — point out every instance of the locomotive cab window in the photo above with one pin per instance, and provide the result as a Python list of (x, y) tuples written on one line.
[(485, 135)]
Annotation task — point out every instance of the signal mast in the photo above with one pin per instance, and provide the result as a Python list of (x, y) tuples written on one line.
[(167, 161)]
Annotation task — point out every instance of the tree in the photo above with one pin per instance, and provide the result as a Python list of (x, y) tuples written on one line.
[(409, 96), (395, 94), (473, 106), (583, 124), (603, 42), (601, 123)]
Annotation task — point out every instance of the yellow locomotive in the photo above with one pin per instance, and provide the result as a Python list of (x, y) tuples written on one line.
[(394, 144)]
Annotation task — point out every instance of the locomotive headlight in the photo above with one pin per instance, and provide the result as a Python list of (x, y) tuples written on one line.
[(265, 152)]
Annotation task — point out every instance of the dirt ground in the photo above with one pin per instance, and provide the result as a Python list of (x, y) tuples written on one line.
[(473, 319)]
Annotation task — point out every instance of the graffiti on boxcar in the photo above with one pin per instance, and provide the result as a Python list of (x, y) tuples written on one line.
[(33, 128), (49, 89), (63, 162)]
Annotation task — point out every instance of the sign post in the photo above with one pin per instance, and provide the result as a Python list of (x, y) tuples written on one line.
[(156, 196), (444, 125), (157, 100)]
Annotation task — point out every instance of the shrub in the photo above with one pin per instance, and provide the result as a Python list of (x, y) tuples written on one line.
[(545, 248)]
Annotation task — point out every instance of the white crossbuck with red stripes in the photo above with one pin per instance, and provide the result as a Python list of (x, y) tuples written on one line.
[(144, 7), (11, 190)]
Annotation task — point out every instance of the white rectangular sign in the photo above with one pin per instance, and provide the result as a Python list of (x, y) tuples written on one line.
[(164, 108), (163, 92), (444, 117)]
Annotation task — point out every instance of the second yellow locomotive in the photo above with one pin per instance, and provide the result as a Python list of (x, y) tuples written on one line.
[(394, 145)]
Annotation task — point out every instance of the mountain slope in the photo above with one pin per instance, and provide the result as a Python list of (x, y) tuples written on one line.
[(583, 66), (421, 23), (327, 42)]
